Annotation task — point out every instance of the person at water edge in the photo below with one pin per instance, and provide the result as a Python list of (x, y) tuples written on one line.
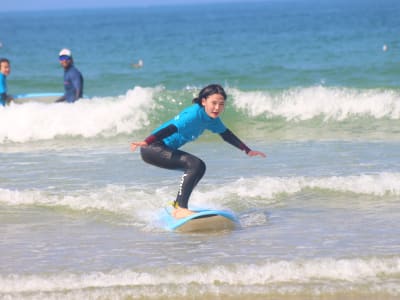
[(73, 79), (161, 148), (5, 69), (138, 65)]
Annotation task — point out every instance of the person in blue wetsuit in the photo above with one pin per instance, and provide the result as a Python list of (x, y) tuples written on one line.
[(73, 79), (5, 69), (161, 148)]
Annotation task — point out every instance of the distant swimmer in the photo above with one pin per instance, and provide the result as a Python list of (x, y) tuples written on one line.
[(384, 48), (5, 69), (138, 65), (73, 79)]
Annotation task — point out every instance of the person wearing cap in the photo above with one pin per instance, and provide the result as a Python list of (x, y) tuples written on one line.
[(73, 79), (5, 70)]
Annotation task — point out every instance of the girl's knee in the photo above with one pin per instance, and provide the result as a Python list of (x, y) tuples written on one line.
[(199, 166)]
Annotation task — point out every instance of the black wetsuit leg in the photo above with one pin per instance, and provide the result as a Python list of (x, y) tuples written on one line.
[(159, 155)]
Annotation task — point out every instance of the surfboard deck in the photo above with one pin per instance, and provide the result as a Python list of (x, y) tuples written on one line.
[(37, 97), (202, 221)]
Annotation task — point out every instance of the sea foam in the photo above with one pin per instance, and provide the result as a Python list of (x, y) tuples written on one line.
[(335, 104), (85, 118), (120, 199), (313, 276), (372, 112)]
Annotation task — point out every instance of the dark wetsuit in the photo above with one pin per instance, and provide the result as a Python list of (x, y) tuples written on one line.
[(187, 126), (73, 84)]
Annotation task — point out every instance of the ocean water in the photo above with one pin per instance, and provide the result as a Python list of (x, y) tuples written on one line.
[(314, 84)]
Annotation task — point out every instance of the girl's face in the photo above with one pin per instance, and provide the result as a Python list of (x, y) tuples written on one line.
[(214, 105), (5, 68)]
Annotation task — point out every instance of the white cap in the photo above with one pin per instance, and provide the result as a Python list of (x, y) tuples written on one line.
[(65, 52)]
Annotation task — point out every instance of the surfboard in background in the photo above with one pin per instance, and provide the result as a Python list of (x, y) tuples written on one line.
[(37, 97), (204, 220)]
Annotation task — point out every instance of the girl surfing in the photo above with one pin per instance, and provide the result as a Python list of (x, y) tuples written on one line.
[(161, 148)]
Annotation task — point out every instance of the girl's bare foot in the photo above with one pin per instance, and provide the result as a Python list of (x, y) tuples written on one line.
[(180, 213)]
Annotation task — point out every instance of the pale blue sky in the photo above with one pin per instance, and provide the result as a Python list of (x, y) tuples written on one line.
[(7, 5)]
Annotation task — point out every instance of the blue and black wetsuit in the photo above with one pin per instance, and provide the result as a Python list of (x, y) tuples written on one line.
[(164, 143), (73, 84), (3, 89)]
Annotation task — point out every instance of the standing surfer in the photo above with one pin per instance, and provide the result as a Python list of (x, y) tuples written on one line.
[(161, 148)]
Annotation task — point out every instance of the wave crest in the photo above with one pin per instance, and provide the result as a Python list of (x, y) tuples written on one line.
[(327, 276), (263, 190), (298, 113), (335, 104), (85, 118)]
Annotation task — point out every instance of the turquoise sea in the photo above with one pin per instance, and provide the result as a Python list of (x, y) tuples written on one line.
[(314, 84)]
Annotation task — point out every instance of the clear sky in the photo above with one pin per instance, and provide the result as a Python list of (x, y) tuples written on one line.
[(7, 5)]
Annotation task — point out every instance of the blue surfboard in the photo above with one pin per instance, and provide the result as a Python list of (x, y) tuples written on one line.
[(37, 97), (202, 220)]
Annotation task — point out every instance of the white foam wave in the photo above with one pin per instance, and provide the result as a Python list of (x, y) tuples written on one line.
[(269, 188), (111, 199), (111, 116), (329, 103), (123, 200), (85, 118), (315, 276), (115, 199)]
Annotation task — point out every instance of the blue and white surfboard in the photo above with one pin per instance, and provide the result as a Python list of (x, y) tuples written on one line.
[(202, 220), (37, 97)]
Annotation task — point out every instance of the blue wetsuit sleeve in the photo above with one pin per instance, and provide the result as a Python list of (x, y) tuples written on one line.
[(77, 83), (232, 139), (3, 84), (3, 97), (161, 134)]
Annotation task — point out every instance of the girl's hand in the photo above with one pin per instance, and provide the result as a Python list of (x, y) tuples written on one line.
[(134, 145), (256, 153)]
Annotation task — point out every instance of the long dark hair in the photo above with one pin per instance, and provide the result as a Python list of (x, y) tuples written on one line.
[(208, 91)]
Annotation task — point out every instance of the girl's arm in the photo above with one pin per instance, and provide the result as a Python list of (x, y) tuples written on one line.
[(232, 139), (157, 136), (161, 134)]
